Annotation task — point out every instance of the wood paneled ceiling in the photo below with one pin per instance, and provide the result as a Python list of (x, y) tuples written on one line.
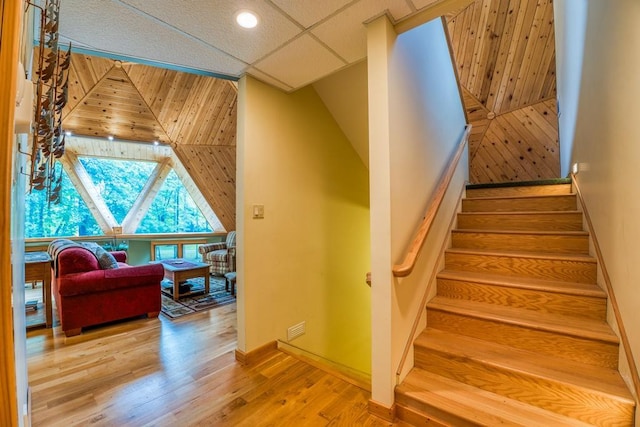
[(504, 54), (194, 114)]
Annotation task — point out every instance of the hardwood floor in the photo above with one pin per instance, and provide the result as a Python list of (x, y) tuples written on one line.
[(180, 373)]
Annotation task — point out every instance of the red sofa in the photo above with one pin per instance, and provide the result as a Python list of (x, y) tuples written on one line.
[(87, 295)]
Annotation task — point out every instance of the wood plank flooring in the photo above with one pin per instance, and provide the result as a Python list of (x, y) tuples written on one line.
[(180, 373)]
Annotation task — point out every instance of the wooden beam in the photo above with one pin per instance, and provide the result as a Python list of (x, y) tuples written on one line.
[(146, 197), (89, 193), (433, 11), (195, 193), (98, 147), (10, 21)]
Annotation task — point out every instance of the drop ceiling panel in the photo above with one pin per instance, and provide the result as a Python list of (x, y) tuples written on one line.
[(202, 34), (119, 30), (346, 33), (309, 13), (268, 79), (312, 61), (214, 23)]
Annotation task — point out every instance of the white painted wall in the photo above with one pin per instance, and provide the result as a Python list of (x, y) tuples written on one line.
[(17, 246), (345, 95), (607, 142), (415, 124), (307, 259), (570, 26)]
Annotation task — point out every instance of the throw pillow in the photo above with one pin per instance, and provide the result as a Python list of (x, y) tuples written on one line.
[(105, 259)]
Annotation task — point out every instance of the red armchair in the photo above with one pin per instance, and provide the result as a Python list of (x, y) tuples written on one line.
[(87, 295)]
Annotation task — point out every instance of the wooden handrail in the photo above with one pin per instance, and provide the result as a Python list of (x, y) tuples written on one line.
[(406, 267), (612, 298), (425, 295)]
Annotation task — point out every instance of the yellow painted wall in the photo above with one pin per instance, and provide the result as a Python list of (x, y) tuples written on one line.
[(607, 142), (307, 259), (415, 124), (345, 95)]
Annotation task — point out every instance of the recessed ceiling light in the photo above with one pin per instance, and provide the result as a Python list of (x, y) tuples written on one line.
[(246, 19)]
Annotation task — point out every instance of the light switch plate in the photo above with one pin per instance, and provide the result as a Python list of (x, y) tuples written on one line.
[(258, 211)]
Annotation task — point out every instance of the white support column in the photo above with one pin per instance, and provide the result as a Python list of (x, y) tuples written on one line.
[(146, 197), (89, 193), (380, 38)]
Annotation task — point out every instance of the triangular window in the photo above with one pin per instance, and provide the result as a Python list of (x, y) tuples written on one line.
[(119, 182), (144, 195), (173, 211), (70, 217)]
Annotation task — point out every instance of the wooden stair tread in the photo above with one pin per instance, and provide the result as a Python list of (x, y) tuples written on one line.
[(552, 369), (554, 286), (556, 323), (521, 213), (476, 405), (523, 196), (513, 184), (561, 233), (533, 255)]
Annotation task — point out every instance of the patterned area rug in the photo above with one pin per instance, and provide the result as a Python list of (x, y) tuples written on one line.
[(197, 300)]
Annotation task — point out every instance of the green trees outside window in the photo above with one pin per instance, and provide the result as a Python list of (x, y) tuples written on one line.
[(70, 217), (119, 183), (173, 211)]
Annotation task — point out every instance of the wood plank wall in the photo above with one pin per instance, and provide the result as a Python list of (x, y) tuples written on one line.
[(195, 114), (504, 54)]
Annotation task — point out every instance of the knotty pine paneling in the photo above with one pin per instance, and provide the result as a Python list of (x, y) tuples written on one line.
[(84, 73), (519, 146), (136, 102), (114, 107), (192, 109), (213, 169), (504, 51), (504, 54), (478, 117)]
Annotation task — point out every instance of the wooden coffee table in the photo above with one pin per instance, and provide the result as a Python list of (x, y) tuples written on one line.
[(179, 270)]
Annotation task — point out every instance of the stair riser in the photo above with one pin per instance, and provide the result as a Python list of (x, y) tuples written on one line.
[(405, 413), (535, 204), (581, 350), (540, 190), (558, 397), (543, 302), (521, 242), (571, 221), (550, 269)]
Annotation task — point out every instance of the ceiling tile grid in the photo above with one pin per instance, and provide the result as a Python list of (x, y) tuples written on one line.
[(296, 42), (313, 59), (310, 13), (213, 23), (346, 33), (110, 27), (269, 79)]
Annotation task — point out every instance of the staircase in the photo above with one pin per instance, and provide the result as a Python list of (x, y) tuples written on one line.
[(517, 333)]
